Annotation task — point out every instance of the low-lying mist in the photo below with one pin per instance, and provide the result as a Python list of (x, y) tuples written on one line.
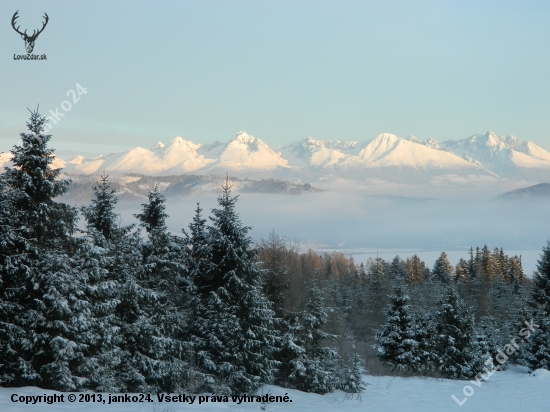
[(363, 225)]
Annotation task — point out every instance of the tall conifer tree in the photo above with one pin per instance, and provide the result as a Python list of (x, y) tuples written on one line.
[(454, 341), (537, 354), (233, 322), (45, 314), (397, 344)]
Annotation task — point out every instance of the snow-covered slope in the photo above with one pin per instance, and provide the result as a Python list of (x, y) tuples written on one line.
[(246, 153), (388, 150), (385, 156), (533, 150), (180, 156), (136, 160), (5, 161), (316, 153), (503, 155), (512, 390)]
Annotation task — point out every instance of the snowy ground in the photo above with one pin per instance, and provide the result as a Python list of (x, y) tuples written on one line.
[(512, 390)]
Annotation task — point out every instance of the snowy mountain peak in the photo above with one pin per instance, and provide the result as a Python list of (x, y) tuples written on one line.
[(316, 153), (385, 155), (245, 138), (246, 152), (386, 138), (432, 143), (332, 144), (429, 143), (76, 160), (388, 150), (384, 142), (246, 143), (311, 141), (503, 155), (491, 140), (181, 143)]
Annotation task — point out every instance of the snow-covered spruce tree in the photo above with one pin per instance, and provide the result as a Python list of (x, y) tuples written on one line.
[(537, 353), (461, 271), (540, 295), (63, 323), (101, 213), (32, 185), (291, 348), (352, 381), (199, 256), (198, 251), (164, 254), (147, 353), (396, 343), (97, 259), (443, 271), (91, 262), (397, 269), (16, 257), (45, 316), (314, 369), (376, 271), (133, 366), (453, 346), (165, 272), (522, 312), (424, 330), (489, 338), (153, 214), (233, 325)]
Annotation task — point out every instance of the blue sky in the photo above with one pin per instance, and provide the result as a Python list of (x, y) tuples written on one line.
[(280, 70)]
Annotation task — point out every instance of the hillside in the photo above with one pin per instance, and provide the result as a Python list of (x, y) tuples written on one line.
[(540, 190), (133, 186)]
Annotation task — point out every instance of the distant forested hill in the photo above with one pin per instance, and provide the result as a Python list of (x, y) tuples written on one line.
[(542, 189), (135, 186)]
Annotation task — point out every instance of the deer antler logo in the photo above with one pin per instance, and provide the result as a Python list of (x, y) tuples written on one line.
[(29, 40)]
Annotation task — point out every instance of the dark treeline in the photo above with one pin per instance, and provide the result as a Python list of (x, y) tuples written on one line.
[(402, 316), (134, 186), (138, 309)]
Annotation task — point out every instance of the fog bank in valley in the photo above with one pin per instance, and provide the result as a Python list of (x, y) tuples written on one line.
[(365, 225)]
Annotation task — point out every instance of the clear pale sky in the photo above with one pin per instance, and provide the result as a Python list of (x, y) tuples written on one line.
[(280, 70)]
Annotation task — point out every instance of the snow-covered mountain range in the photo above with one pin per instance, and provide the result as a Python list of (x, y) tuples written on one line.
[(384, 156)]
